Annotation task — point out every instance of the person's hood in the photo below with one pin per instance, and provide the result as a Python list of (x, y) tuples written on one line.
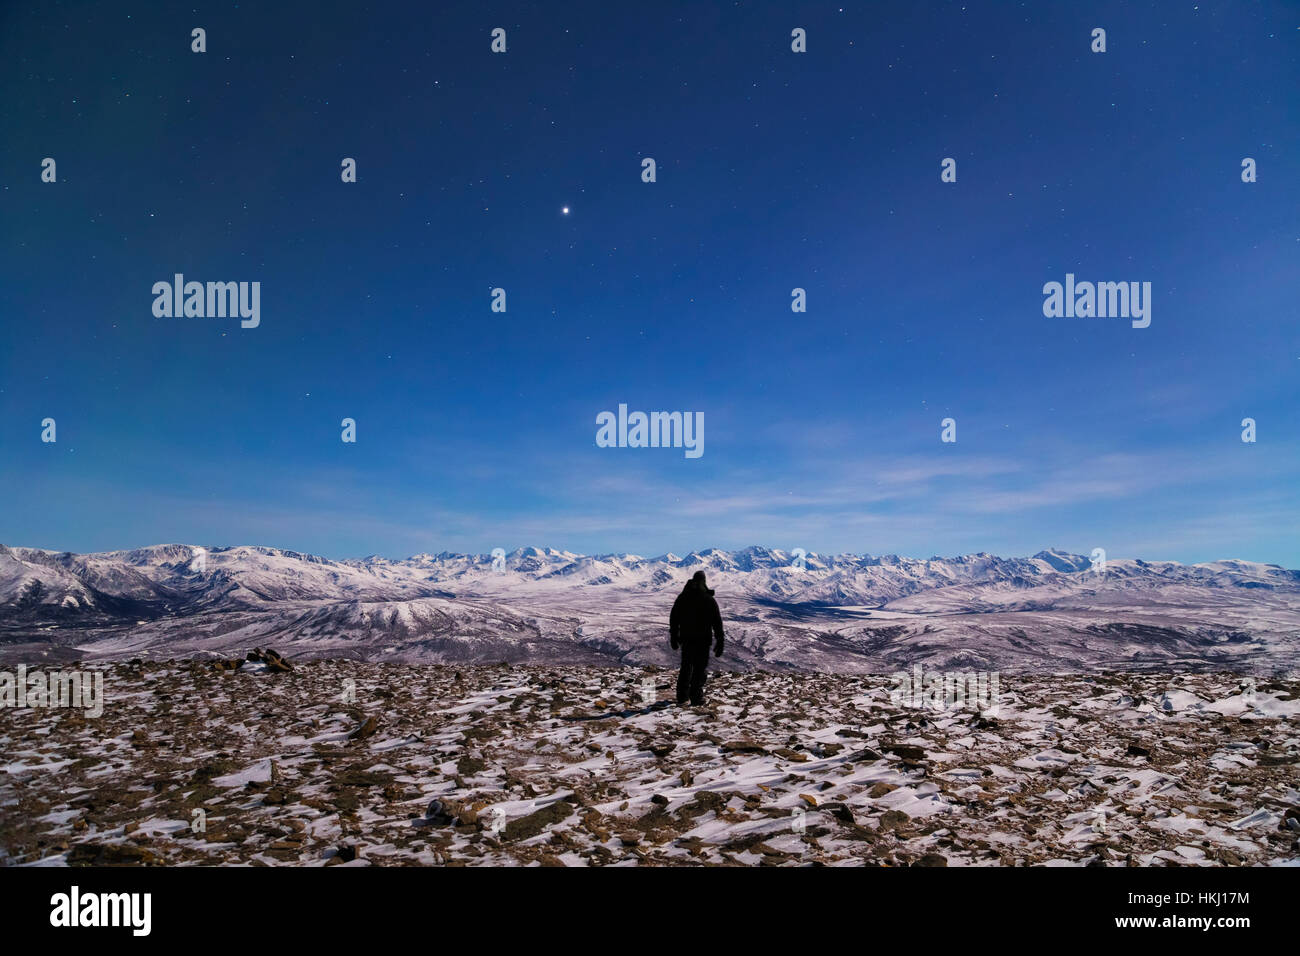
[(697, 584)]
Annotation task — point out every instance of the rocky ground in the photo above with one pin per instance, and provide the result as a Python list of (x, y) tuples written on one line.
[(346, 763)]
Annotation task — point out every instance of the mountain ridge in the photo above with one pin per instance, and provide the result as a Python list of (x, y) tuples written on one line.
[(844, 610)]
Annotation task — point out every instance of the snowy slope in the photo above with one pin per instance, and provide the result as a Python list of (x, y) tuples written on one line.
[(854, 613), (580, 766)]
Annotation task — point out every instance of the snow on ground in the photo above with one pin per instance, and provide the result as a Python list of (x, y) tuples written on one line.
[(352, 763)]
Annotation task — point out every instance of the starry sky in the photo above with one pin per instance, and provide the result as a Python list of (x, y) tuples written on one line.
[(775, 170)]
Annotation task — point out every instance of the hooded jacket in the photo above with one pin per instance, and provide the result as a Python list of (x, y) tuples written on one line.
[(695, 616)]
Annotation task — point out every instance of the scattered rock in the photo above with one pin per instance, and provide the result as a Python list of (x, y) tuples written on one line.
[(455, 752), (906, 751), (742, 747), (840, 811), (892, 820), (468, 766), (111, 854), (537, 821), (348, 852)]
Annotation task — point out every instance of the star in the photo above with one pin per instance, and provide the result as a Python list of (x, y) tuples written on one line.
[(564, 211)]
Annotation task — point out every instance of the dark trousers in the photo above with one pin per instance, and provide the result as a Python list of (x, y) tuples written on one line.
[(695, 665)]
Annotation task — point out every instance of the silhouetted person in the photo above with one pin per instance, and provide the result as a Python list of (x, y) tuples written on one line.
[(695, 619)]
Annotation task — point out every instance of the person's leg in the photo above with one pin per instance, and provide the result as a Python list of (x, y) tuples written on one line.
[(684, 675), (699, 671)]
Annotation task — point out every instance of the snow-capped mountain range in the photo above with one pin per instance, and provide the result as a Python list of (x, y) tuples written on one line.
[(861, 613)]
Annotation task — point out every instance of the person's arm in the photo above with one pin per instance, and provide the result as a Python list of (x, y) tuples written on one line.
[(717, 629), (675, 624)]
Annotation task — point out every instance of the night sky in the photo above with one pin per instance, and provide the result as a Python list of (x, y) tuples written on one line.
[(775, 170)]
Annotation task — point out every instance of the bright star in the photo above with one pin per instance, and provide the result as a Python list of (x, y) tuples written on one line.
[(565, 210)]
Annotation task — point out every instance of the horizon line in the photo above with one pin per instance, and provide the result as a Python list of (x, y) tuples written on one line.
[(630, 554)]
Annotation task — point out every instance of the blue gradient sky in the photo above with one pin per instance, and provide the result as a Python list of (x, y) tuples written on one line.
[(776, 170)]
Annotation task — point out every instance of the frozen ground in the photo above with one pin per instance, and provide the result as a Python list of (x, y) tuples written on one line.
[(353, 763)]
